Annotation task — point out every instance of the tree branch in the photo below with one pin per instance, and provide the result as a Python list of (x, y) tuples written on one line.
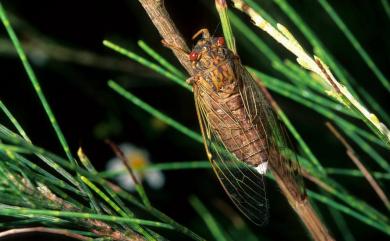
[(167, 29), (63, 232)]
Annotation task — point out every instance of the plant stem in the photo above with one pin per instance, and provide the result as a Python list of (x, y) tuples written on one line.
[(291, 189), (167, 29), (63, 232), (305, 212)]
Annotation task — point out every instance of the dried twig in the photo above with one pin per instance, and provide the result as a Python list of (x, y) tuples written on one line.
[(119, 153), (316, 181), (98, 227), (351, 153), (62, 232), (290, 187), (167, 29), (331, 86), (138, 185)]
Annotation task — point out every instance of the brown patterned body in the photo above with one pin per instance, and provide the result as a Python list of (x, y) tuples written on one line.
[(235, 124), (240, 132), (221, 88)]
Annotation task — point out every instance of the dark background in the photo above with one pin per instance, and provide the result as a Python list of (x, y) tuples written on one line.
[(89, 112)]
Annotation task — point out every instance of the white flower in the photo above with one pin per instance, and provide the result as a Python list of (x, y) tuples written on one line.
[(138, 159)]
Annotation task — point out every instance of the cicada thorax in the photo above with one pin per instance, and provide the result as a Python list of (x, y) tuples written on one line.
[(218, 75)]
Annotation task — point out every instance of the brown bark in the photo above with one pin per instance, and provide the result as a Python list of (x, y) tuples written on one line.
[(167, 29), (301, 206), (62, 232)]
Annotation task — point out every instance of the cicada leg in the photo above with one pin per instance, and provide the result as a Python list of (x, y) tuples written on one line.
[(190, 80), (174, 47), (205, 33)]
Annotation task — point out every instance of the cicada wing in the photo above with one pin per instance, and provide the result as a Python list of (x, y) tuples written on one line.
[(281, 151), (244, 185)]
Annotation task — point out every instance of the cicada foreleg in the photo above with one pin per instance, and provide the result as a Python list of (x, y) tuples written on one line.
[(174, 47), (205, 34)]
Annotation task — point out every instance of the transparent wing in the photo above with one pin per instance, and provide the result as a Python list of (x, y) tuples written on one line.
[(243, 184), (281, 151)]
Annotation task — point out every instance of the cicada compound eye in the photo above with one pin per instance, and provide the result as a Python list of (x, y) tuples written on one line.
[(220, 41), (193, 56)]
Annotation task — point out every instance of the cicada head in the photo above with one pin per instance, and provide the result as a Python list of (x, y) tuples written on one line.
[(208, 52)]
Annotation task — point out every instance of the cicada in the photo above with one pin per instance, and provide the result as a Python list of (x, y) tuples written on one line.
[(241, 134)]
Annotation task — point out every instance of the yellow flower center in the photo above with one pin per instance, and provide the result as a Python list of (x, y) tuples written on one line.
[(136, 160)]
